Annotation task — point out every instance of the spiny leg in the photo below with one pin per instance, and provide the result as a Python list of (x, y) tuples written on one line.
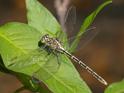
[(56, 54)]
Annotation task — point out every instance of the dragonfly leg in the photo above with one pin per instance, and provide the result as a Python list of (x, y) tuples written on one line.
[(46, 48), (49, 51), (56, 54)]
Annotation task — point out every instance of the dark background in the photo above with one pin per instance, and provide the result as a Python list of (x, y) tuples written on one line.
[(105, 53)]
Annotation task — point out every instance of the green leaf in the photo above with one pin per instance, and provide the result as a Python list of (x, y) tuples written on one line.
[(16, 39), (87, 22), (40, 18), (67, 79), (117, 87), (18, 49)]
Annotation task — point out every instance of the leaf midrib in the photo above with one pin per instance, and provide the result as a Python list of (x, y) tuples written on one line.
[(17, 47), (63, 83)]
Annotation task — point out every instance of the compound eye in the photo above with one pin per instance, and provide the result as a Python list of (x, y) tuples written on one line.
[(44, 37), (47, 35)]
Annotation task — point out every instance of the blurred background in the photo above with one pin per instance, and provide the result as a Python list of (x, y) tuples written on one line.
[(105, 52)]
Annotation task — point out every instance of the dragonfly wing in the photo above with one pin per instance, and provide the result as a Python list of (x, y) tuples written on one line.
[(70, 19), (69, 22), (70, 16), (88, 36)]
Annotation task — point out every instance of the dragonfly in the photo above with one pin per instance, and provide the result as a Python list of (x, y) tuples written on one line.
[(54, 45)]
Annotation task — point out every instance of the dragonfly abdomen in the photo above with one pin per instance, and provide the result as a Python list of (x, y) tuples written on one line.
[(87, 68)]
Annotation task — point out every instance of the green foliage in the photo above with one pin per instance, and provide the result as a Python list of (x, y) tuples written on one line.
[(21, 55), (87, 22), (22, 39), (117, 87), (40, 18), (16, 40)]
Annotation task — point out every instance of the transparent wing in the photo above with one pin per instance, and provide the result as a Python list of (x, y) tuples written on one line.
[(70, 20), (70, 24), (67, 25), (70, 16), (87, 37)]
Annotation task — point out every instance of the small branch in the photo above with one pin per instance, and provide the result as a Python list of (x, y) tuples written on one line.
[(61, 7)]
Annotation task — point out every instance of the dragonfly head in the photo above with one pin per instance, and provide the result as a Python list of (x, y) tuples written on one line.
[(43, 40)]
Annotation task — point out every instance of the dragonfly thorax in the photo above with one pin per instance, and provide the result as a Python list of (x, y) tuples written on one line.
[(52, 43)]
